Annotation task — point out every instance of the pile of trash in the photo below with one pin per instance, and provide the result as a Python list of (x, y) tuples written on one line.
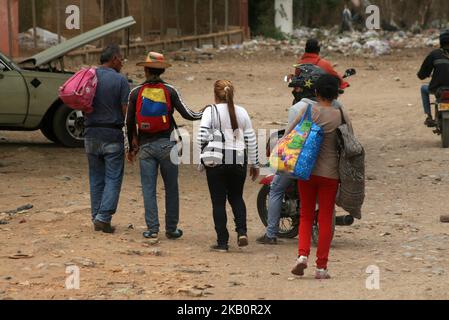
[(45, 39), (370, 43)]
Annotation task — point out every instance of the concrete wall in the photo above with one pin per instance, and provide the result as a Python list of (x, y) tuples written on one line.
[(284, 15)]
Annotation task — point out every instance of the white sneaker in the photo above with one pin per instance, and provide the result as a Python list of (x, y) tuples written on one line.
[(301, 265), (322, 274)]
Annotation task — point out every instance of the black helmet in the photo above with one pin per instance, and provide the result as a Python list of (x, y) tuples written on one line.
[(308, 76), (444, 38)]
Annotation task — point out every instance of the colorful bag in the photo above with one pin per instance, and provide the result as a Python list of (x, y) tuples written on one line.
[(297, 153), (79, 91), (153, 109)]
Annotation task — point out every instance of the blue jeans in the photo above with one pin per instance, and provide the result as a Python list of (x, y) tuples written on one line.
[(278, 187), (425, 95), (106, 169), (153, 156)]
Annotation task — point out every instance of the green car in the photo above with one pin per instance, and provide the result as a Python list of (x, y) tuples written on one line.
[(29, 90)]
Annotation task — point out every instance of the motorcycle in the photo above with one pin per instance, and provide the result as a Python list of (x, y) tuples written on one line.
[(290, 218), (290, 214), (442, 116)]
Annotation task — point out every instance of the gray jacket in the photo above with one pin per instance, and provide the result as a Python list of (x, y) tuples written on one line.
[(352, 172)]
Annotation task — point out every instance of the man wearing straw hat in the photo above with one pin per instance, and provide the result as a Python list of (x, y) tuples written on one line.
[(150, 124)]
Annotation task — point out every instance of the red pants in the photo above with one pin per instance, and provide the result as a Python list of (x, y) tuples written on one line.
[(326, 191)]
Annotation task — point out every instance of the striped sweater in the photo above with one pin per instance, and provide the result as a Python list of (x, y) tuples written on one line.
[(245, 139)]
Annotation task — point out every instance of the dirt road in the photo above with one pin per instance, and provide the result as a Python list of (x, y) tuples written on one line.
[(400, 232)]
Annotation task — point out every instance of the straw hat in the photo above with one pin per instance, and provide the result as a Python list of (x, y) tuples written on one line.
[(155, 60)]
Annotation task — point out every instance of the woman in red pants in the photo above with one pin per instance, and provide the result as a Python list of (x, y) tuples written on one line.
[(324, 181)]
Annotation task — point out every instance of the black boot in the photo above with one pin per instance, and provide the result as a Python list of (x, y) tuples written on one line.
[(430, 122)]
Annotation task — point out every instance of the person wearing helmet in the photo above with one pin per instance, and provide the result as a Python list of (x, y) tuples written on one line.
[(436, 65), (312, 56), (303, 83)]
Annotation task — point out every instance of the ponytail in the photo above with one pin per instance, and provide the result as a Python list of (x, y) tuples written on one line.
[(224, 91), (231, 107)]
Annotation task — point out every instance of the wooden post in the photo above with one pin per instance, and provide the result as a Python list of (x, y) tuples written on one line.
[(102, 19), (211, 16), (10, 44), (82, 16), (124, 31), (178, 25), (195, 16), (162, 17), (58, 19), (33, 4), (244, 17), (142, 20), (226, 15)]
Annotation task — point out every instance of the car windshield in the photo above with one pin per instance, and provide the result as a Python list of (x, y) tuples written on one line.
[(8, 62)]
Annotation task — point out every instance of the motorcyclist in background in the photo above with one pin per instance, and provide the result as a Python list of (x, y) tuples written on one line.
[(312, 56), (436, 65)]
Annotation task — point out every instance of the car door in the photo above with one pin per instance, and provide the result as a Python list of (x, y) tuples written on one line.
[(13, 96)]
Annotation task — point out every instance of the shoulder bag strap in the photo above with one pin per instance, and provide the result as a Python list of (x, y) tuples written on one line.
[(309, 112), (212, 117), (218, 117), (343, 120)]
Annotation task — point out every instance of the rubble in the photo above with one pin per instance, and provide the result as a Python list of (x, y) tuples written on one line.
[(45, 38), (367, 44)]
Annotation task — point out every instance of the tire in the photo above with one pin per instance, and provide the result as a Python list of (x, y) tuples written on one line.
[(47, 131), (262, 201), (68, 126), (445, 130), (315, 230), (289, 232)]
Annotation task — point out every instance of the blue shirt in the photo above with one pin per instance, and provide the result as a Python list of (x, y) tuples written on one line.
[(112, 93)]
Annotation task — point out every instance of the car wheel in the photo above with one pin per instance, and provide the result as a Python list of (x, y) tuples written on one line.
[(68, 126), (47, 131)]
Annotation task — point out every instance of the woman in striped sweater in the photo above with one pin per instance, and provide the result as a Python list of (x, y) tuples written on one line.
[(240, 149)]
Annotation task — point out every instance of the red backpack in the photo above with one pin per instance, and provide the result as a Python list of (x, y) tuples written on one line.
[(153, 109)]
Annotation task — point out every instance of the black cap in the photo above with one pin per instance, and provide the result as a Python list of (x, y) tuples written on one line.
[(312, 46), (444, 38)]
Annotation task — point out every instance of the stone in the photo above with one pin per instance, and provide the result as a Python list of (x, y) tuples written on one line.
[(438, 271), (191, 292), (21, 209), (156, 252), (63, 178)]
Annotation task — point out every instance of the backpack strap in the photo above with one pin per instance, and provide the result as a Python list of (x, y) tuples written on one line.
[(176, 126)]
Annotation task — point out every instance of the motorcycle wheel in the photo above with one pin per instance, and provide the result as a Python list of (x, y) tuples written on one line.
[(288, 226), (445, 131), (316, 230)]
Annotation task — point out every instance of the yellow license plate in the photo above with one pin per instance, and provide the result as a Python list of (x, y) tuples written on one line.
[(444, 107)]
